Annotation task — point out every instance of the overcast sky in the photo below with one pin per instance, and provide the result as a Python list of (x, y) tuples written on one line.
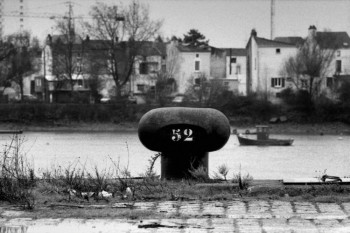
[(226, 23)]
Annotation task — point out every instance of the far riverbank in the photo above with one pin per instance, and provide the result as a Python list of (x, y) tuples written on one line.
[(334, 128)]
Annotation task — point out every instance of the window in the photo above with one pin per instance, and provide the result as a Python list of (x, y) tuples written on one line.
[(197, 81), (338, 53), (79, 68), (197, 65), (226, 84), (338, 66), (277, 82), (197, 55), (143, 68), (278, 51), (233, 60), (303, 83), (238, 69), (80, 82), (329, 82), (141, 87), (152, 67), (148, 67), (38, 82), (163, 68)]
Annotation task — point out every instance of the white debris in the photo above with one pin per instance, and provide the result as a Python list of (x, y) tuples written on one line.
[(105, 194)]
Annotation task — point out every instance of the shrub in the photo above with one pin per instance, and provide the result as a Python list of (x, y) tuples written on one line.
[(200, 174), (17, 180)]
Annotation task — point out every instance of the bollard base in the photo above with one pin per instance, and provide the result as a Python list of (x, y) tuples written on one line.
[(177, 165)]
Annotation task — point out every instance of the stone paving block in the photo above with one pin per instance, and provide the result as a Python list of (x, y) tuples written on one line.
[(275, 225), (345, 223), (198, 225), (248, 226), (171, 226), (259, 209), (145, 205), (223, 225), (282, 209), (330, 210), (213, 209), (190, 208), (346, 207), (14, 229), (235, 209), (167, 207), (305, 210), (325, 224), (299, 225)]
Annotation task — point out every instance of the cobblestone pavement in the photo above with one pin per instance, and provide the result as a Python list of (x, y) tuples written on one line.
[(209, 217)]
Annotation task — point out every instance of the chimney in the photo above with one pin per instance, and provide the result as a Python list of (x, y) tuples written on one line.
[(87, 38), (312, 31), (48, 39), (254, 33)]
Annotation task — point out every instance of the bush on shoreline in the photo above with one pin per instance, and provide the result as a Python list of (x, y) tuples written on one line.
[(239, 109)]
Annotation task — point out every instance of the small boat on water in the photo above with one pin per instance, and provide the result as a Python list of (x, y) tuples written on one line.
[(262, 138)]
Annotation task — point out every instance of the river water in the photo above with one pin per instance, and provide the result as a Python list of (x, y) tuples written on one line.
[(309, 156)]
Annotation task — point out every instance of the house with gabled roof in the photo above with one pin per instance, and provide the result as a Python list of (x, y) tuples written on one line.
[(150, 59), (339, 68), (187, 64), (264, 61), (228, 65)]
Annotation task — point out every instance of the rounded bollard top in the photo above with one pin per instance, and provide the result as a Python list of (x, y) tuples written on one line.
[(184, 129)]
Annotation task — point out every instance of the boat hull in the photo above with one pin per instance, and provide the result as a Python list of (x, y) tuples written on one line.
[(269, 142)]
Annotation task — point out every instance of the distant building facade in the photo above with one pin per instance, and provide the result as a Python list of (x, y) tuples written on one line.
[(187, 63)]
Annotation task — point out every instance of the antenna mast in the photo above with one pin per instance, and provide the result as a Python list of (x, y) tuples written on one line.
[(272, 26), (1, 18)]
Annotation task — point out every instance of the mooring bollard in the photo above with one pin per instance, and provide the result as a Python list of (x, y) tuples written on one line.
[(184, 136)]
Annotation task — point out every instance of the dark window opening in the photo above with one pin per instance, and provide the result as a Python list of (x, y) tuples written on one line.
[(277, 82), (143, 68), (197, 65), (141, 87), (338, 66), (278, 51), (329, 82)]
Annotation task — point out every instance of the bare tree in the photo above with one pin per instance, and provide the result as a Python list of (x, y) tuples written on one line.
[(311, 63), (68, 54), (22, 60), (122, 30)]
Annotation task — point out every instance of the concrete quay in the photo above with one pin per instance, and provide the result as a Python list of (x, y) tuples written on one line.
[(238, 216)]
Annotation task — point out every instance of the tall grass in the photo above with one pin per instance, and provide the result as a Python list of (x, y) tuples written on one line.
[(17, 180)]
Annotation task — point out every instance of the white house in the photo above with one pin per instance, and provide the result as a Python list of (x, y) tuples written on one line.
[(336, 44), (265, 59), (187, 63), (236, 69)]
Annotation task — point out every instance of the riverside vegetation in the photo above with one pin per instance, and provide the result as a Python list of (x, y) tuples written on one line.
[(239, 109)]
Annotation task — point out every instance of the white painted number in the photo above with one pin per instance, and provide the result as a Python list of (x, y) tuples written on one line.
[(188, 134), (177, 135)]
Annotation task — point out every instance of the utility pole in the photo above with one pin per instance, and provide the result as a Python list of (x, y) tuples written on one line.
[(272, 20), (1, 18), (70, 21)]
